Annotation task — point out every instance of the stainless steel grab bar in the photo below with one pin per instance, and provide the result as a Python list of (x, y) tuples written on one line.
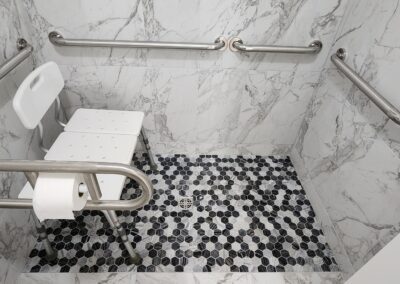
[(57, 39), (24, 51), (236, 44), (384, 105), (36, 166)]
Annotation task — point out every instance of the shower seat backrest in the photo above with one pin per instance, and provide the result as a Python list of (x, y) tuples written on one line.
[(37, 93)]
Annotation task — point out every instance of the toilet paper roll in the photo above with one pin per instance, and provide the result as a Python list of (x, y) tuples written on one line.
[(56, 196)]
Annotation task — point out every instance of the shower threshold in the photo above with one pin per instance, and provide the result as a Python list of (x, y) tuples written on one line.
[(187, 278), (209, 213)]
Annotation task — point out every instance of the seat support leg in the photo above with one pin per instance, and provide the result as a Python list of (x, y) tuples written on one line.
[(112, 218), (95, 193), (153, 165), (108, 217), (51, 254)]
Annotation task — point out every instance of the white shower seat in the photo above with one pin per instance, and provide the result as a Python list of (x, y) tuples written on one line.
[(91, 136), (110, 121), (105, 121), (93, 147), (95, 136)]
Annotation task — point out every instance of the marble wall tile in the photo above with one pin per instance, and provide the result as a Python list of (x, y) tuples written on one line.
[(353, 170), (77, 278), (368, 171), (10, 27), (203, 101), (375, 57), (270, 22), (189, 278), (244, 278), (203, 110), (170, 278), (349, 147), (17, 233), (224, 102), (218, 149), (330, 231), (273, 105)]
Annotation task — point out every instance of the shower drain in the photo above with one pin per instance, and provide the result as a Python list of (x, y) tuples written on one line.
[(186, 203)]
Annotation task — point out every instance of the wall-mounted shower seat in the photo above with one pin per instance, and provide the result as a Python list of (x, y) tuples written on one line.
[(90, 135)]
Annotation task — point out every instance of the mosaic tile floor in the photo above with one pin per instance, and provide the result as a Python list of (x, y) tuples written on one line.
[(208, 213)]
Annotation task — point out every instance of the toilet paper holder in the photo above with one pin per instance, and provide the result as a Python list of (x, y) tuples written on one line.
[(89, 170), (31, 168), (82, 189)]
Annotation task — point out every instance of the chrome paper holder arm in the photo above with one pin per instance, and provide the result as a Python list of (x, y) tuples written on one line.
[(236, 44), (85, 168), (383, 104), (24, 49), (57, 39)]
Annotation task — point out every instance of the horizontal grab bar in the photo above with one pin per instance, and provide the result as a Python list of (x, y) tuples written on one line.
[(57, 39), (36, 166), (24, 51), (384, 105), (236, 44)]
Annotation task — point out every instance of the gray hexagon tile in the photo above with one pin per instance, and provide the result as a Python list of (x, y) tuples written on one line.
[(208, 213)]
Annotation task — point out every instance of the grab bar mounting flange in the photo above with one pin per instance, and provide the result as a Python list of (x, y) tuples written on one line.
[(341, 53), (21, 44), (24, 50)]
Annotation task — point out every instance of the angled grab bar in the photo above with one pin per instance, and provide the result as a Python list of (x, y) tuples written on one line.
[(384, 105), (57, 39), (24, 49), (236, 44), (87, 168)]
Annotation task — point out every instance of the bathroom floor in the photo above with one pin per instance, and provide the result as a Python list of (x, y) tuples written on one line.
[(209, 213)]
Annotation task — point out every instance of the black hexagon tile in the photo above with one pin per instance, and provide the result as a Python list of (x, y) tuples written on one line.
[(208, 213)]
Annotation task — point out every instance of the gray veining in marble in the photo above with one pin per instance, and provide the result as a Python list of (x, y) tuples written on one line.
[(198, 102), (17, 233), (348, 147), (243, 111), (189, 278), (15, 230), (195, 102), (232, 103), (292, 22)]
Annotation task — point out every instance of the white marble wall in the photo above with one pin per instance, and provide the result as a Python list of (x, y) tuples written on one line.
[(203, 102), (188, 278), (224, 102), (347, 146), (16, 226)]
